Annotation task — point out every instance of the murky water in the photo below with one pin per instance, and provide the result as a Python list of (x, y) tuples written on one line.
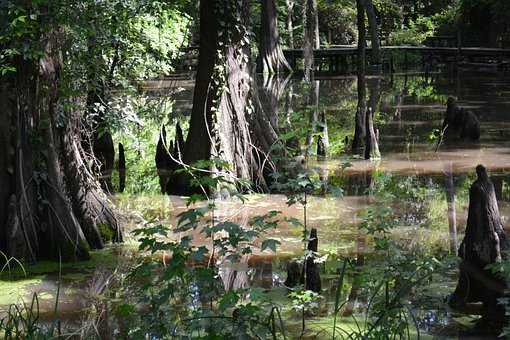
[(410, 107)]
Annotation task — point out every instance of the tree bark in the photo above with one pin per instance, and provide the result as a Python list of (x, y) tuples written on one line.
[(311, 37), (227, 119), (359, 132), (42, 216), (484, 243), (371, 143), (122, 168), (372, 134), (374, 32), (270, 51), (323, 138), (312, 269)]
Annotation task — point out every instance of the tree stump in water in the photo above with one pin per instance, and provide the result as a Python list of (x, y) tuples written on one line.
[(371, 142), (310, 273), (460, 123), (293, 274), (312, 269), (166, 154), (484, 244)]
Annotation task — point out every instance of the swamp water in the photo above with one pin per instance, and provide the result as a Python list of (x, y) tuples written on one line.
[(411, 179)]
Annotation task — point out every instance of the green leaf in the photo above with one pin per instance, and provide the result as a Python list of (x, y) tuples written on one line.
[(270, 244)]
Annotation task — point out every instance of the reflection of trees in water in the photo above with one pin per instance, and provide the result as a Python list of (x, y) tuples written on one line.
[(450, 201), (365, 185), (235, 275)]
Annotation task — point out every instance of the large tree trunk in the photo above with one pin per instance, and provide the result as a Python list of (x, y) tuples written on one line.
[(311, 42), (484, 243), (374, 32), (270, 51), (359, 131), (38, 206), (227, 119)]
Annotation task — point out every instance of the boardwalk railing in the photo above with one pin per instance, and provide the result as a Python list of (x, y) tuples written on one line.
[(338, 56)]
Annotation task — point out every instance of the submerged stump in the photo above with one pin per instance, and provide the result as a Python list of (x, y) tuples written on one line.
[(484, 244), (309, 274), (312, 269), (293, 274), (371, 138)]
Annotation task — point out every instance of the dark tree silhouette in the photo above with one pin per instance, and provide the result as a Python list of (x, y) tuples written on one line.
[(374, 32), (312, 269), (122, 168), (484, 243), (227, 120), (50, 205), (359, 131)]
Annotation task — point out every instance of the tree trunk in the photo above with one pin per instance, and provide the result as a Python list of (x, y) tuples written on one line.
[(270, 51), (374, 32), (227, 119), (372, 134), (371, 142), (122, 168), (294, 276), (38, 204), (359, 132), (311, 37), (323, 138), (484, 243), (312, 269), (90, 204)]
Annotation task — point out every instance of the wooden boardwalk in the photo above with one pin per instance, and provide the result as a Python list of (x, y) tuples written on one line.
[(339, 56)]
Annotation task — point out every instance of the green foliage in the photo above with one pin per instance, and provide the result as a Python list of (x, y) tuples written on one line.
[(414, 34), (179, 280)]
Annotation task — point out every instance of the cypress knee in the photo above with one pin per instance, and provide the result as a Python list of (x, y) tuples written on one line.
[(371, 143), (484, 243), (163, 160), (312, 270), (293, 274)]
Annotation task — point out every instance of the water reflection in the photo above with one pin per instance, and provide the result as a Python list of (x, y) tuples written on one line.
[(430, 188)]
